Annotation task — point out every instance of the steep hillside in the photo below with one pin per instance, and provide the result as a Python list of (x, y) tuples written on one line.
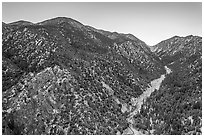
[(61, 77), (176, 108), (178, 49)]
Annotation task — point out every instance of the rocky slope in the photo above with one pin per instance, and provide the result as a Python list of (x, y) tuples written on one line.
[(176, 108), (99, 70), (62, 77), (178, 49)]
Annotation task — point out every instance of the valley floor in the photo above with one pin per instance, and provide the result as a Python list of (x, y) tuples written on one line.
[(137, 102)]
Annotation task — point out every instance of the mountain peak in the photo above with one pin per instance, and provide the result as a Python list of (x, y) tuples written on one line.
[(92, 81), (58, 20), (21, 22)]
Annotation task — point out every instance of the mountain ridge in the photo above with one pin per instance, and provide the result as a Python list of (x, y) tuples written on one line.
[(67, 19), (62, 77)]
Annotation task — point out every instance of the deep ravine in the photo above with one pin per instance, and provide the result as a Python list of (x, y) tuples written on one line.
[(137, 102)]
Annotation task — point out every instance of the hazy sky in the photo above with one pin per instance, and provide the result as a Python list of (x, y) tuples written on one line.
[(150, 22)]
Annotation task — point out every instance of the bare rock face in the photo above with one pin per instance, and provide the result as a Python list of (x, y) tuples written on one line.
[(62, 77)]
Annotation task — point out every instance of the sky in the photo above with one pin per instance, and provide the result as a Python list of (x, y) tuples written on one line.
[(150, 22)]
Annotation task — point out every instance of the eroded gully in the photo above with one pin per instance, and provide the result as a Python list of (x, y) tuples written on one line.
[(137, 102)]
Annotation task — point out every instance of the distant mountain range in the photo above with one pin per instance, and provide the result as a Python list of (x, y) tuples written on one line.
[(62, 77)]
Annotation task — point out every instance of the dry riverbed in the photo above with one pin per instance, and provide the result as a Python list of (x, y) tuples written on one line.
[(137, 102)]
